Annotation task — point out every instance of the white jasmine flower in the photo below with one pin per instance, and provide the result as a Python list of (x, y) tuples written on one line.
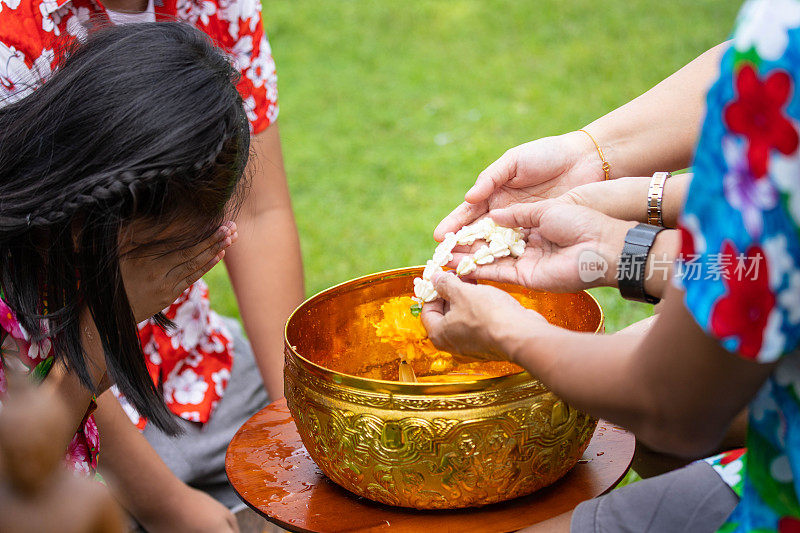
[(518, 248), (468, 235), (431, 267), (484, 255), (450, 241), (487, 224), (466, 266), (502, 242), (512, 238), (505, 235), (499, 248), (423, 289), (442, 255)]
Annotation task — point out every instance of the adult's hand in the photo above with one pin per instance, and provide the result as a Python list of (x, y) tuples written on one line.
[(475, 321), (656, 131), (559, 237), (544, 168), (626, 198), (155, 278)]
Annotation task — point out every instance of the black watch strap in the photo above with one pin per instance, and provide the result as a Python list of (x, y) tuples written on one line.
[(633, 262)]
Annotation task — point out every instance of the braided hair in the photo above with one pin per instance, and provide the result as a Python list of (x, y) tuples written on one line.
[(141, 122)]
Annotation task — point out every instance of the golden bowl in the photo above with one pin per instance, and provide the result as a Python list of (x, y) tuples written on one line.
[(426, 445)]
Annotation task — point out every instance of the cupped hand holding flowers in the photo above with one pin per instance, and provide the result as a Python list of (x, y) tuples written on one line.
[(559, 236), (476, 321), (540, 169)]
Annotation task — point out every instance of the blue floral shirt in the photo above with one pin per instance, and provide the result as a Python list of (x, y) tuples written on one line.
[(741, 250)]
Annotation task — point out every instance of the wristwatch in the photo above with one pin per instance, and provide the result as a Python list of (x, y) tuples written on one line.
[(633, 262), (655, 198)]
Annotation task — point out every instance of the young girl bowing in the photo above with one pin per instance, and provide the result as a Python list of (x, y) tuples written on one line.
[(116, 194)]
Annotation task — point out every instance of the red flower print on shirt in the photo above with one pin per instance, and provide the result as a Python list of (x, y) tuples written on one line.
[(788, 524), (687, 243), (30, 31), (191, 363), (744, 310), (757, 113), (732, 456)]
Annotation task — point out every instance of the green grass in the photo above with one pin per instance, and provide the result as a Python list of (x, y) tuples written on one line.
[(389, 109)]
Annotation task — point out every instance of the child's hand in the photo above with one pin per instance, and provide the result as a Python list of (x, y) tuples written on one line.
[(194, 512), (475, 321), (154, 280)]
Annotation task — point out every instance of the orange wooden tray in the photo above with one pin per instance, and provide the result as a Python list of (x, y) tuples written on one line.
[(272, 472)]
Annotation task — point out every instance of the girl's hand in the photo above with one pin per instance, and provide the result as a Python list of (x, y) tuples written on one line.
[(544, 168), (194, 512), (155, 278), (476, 321), (569, 248)]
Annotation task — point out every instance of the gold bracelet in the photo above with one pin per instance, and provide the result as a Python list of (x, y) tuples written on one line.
[(606, 167)]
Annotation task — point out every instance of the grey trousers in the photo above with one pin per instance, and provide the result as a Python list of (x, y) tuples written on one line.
[(197, 457), (692, 499)]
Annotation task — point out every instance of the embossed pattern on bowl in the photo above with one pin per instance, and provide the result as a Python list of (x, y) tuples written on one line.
[(428, 445)]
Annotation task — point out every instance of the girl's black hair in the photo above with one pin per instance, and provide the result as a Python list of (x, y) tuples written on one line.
[(141, 122)]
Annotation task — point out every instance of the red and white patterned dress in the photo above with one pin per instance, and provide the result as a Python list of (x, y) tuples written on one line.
[(193, 362)]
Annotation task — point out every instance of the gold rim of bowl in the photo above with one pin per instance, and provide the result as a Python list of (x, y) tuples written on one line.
[(379, 385)]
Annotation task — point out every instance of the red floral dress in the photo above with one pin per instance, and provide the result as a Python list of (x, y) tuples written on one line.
[(192, 363)]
